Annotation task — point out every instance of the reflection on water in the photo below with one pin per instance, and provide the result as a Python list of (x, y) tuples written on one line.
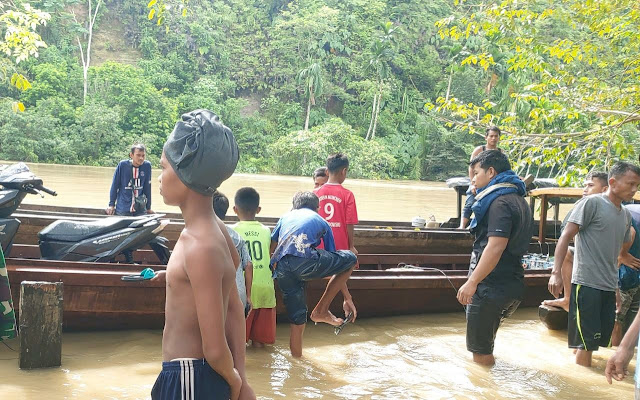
[(417, 357)]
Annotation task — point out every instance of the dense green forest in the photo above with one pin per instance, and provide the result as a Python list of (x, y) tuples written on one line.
[(405, 88)]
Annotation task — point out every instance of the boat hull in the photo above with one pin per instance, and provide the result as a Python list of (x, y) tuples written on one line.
[(95, 297)]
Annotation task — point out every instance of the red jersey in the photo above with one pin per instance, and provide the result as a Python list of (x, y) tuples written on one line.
[(338, 208)]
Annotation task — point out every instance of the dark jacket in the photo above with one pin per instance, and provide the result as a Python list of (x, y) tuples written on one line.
[(121, 189)]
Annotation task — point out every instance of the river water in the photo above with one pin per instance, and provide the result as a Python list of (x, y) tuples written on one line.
[(376, 200), (416, 357), (412, 357)]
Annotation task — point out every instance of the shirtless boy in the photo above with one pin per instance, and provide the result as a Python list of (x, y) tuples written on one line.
[(203, 313)]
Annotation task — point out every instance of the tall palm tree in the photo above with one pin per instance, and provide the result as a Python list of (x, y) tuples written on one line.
[(311, 78)]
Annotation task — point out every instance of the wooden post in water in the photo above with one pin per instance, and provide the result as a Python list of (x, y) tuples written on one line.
[(40, 324)]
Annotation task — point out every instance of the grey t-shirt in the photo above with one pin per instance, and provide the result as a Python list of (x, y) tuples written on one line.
[(245, 259), (603, 230)]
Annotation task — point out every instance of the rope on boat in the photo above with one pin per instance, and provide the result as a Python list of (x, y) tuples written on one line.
[(410, 266)]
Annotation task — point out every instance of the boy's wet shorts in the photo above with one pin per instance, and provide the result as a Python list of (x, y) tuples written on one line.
[(189, 380), (592, 313), (629, 305), (293, 272), (489, 307)]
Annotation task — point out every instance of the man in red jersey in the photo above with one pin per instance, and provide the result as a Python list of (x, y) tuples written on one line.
[(338, 208)]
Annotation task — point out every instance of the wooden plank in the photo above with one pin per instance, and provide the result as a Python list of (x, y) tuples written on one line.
[(564, 192), (543, 219), (41, 313)]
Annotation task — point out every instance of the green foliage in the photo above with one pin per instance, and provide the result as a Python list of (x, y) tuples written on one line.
[(343, 68), (300, 152), (562, 78)]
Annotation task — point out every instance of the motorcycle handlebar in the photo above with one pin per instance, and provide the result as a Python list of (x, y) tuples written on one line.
[(48, 191)]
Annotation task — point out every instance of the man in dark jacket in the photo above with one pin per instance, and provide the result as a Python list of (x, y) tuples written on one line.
[(131, 185)]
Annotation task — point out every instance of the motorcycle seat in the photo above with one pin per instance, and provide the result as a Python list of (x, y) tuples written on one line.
[(75, 231)]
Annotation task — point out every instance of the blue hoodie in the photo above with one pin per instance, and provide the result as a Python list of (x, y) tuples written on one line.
[(121, 193)]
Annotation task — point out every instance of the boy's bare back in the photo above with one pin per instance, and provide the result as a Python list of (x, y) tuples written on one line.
[(200, 275)]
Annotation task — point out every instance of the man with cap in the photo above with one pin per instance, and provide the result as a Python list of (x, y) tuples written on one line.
[(203, 338)]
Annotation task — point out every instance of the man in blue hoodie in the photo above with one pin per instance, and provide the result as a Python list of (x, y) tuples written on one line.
[(503, 227), (131, 187)]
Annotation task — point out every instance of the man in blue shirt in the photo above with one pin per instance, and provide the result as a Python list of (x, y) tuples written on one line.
[(131, 181), (296, 260)]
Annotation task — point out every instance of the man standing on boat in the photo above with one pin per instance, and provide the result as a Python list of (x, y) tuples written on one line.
[(131, 186), (503, 227), (600, 225), (492, 137)]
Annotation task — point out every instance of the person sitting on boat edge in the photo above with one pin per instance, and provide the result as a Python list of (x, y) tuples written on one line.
[(595, 183), (244, 271), (203, 337), (503, 227), (130, 192), (296, 260), (492, 137), (600, 225), (320, 177)]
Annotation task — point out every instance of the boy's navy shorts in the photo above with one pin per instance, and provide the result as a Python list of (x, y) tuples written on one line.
[(189, 380), (293, 272)]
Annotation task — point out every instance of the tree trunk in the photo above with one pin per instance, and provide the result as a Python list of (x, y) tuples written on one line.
[(375, 121), (306, 121), (86, 58), (373, 112), (449, 84), (40, 324)]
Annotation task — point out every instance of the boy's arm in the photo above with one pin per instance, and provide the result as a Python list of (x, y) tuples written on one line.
[(235, 329), (113, 193), (490, 257), (248, 281), (205, 264), (555, 281), (146, 189), (617, 365), (350, 235), (625, 257)]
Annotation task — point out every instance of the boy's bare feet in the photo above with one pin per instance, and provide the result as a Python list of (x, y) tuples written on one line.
[(562, 302), (326, 317)]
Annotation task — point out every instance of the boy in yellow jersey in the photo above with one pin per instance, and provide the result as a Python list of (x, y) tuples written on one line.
[(261, 321)]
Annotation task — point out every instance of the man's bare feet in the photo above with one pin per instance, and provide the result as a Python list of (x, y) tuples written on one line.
[(562, 302), (325, 317)]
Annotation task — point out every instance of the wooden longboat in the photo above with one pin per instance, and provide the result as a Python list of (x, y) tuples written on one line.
[(95, 297), (386, 237), (392, 238)]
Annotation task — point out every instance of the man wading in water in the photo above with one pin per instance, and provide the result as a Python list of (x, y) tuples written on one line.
[(203, 340), (503, 227)]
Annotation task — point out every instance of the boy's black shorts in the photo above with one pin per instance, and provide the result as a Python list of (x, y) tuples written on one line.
[(189, 380), (592, 314)]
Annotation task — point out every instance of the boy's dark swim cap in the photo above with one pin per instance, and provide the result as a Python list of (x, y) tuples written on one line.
[(202, 151)]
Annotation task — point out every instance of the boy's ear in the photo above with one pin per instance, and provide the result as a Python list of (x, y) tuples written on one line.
[(235, 210), (258, 210)]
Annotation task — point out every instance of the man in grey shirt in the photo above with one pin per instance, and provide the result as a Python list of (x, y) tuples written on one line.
[(600, 225), (244, 271)]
